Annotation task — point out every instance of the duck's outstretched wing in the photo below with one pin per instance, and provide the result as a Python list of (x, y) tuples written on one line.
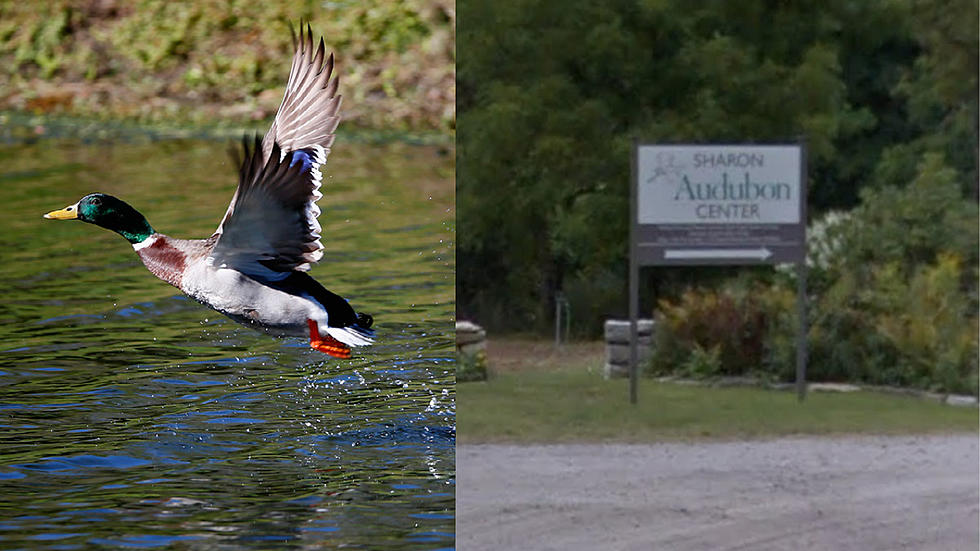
[(308, 114), (271, 221), (271, 227)]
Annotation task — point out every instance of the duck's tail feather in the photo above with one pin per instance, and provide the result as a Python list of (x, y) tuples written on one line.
[(359, 334)]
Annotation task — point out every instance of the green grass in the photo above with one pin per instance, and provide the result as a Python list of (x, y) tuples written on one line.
[(572, 404), (198, 63)]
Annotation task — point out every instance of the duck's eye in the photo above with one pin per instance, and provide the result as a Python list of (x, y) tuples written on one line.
[(96, 201)]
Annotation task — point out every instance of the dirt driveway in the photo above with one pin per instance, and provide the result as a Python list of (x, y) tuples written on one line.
[(854, 493)]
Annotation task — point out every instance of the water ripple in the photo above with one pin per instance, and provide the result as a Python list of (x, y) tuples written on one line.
[(131, 417)]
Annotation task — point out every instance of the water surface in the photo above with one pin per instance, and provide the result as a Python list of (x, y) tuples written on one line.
[(132, 416)]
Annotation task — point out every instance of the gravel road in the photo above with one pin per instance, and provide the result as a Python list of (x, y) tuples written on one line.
[(854, 493)]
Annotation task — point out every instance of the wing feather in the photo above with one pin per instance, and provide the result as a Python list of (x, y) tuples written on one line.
[(306, 121), (271, 228), (308, 114)]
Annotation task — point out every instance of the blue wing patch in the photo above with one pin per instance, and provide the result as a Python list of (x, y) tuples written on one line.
[(304, 157)]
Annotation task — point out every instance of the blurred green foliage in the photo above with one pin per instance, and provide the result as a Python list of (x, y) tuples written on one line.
[(896, 302), (885, 94), (471, 367), (157, 60), (892, 299), (552, 94), (739, 329)]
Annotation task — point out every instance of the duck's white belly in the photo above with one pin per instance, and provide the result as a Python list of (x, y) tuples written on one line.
[(251, 303)]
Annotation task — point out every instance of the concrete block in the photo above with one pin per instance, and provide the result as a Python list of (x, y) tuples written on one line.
[(961, 400), (619, 330), (615, 371), (620, 353), (832, 387), (472, 348), (468, 332)]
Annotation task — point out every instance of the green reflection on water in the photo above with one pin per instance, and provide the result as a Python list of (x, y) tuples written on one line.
[(128, 411)]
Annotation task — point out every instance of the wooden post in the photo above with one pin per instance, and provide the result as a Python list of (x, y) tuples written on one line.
[(634, 274)]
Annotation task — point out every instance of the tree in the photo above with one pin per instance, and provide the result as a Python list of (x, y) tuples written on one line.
[(552, 92)]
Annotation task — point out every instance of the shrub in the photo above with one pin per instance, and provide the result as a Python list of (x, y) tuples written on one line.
[(728, 332), (702, 364), (893, 286), (471, 367), (930, 324), (919, 331)]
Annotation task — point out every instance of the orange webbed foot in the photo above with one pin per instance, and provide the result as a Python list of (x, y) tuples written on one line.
[(326, 343)]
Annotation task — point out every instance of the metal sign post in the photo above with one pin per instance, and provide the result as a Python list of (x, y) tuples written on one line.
[(731, 204), (634, 276)]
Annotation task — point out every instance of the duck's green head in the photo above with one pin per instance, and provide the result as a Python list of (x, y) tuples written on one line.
[(110, 213)]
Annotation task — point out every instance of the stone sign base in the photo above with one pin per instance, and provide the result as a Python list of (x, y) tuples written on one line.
[(471, 352), (618, 346)]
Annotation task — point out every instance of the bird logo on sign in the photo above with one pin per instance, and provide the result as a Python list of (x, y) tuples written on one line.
[(667, 171)]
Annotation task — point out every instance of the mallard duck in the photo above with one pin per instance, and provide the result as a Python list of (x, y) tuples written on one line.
[(254, 267)]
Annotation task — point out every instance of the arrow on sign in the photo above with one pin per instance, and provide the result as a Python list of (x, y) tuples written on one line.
[(678, 254)]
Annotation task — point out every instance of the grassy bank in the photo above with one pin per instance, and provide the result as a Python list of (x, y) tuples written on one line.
[(537, 395), (19, 127), (200, 62)]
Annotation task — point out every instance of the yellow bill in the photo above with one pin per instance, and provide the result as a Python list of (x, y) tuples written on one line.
[(68, 213)]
